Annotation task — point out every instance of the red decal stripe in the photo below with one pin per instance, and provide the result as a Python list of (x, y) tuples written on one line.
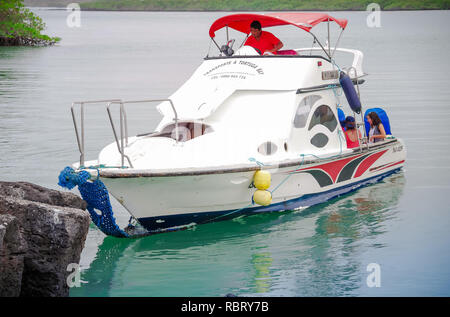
[(393, 164), (368, 162), (332, 168)]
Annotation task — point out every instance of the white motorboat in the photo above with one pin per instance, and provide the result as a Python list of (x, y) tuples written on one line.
[(240, 113)]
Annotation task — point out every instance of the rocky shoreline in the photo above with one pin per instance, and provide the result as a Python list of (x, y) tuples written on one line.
[(42, 234)]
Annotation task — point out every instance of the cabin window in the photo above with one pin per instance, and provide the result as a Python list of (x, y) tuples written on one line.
[(186, 131), (303, 109), (323, 115), (267, 148)]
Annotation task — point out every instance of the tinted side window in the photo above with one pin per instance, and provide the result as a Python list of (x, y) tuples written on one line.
[(319, 140), (303, 109), (323, 115)]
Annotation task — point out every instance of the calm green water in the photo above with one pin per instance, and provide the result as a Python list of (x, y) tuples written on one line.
[(401, 223)]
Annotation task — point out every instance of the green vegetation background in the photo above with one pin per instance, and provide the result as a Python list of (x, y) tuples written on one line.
[(19, 26), (263, 5)]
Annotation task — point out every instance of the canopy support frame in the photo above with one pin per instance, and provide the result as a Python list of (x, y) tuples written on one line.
[(218, 47), (337, 42), (228, 37), (329, 43), (327, 50), (320, 44)]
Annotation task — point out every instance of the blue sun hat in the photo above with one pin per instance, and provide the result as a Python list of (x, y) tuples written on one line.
[(350, 122)]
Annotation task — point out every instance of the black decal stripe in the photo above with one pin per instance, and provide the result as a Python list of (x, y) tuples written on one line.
[(321, 177), (348, 170)]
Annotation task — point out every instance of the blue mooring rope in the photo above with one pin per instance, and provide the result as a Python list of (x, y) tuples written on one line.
[(96, 195)]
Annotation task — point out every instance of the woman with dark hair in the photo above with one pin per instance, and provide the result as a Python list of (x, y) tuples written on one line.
[(352, 135), (376, 132)]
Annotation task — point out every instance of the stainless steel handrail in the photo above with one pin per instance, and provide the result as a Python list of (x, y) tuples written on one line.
[(80, 133), (80, 139), (365, 138), (124, 125), (120, 146)]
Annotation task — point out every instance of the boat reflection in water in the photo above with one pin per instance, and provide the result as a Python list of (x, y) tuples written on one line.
[(315, 252)]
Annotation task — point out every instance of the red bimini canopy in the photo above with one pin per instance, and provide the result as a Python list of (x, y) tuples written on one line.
[(303, 20)]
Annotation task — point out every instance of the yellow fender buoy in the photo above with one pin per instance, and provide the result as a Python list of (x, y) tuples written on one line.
[(262, 197), (261, 180)]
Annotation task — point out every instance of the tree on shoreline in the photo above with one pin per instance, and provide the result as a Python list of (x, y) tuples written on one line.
[(21, 27)]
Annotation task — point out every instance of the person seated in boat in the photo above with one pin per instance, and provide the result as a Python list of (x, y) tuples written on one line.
[(263, 42), (376, 132), (352, 135)]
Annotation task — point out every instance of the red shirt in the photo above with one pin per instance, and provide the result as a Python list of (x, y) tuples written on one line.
[(350, 143), (266, 42)]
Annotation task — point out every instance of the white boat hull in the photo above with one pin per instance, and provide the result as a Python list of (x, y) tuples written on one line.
[(160, 202)]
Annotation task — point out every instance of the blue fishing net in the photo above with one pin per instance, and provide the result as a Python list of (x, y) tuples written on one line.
[(96, 195)]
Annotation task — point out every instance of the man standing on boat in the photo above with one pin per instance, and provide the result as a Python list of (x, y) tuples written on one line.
[(262, 41)]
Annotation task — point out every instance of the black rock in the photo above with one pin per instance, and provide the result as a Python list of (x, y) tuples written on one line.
[(45, 231), (12, 252)]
